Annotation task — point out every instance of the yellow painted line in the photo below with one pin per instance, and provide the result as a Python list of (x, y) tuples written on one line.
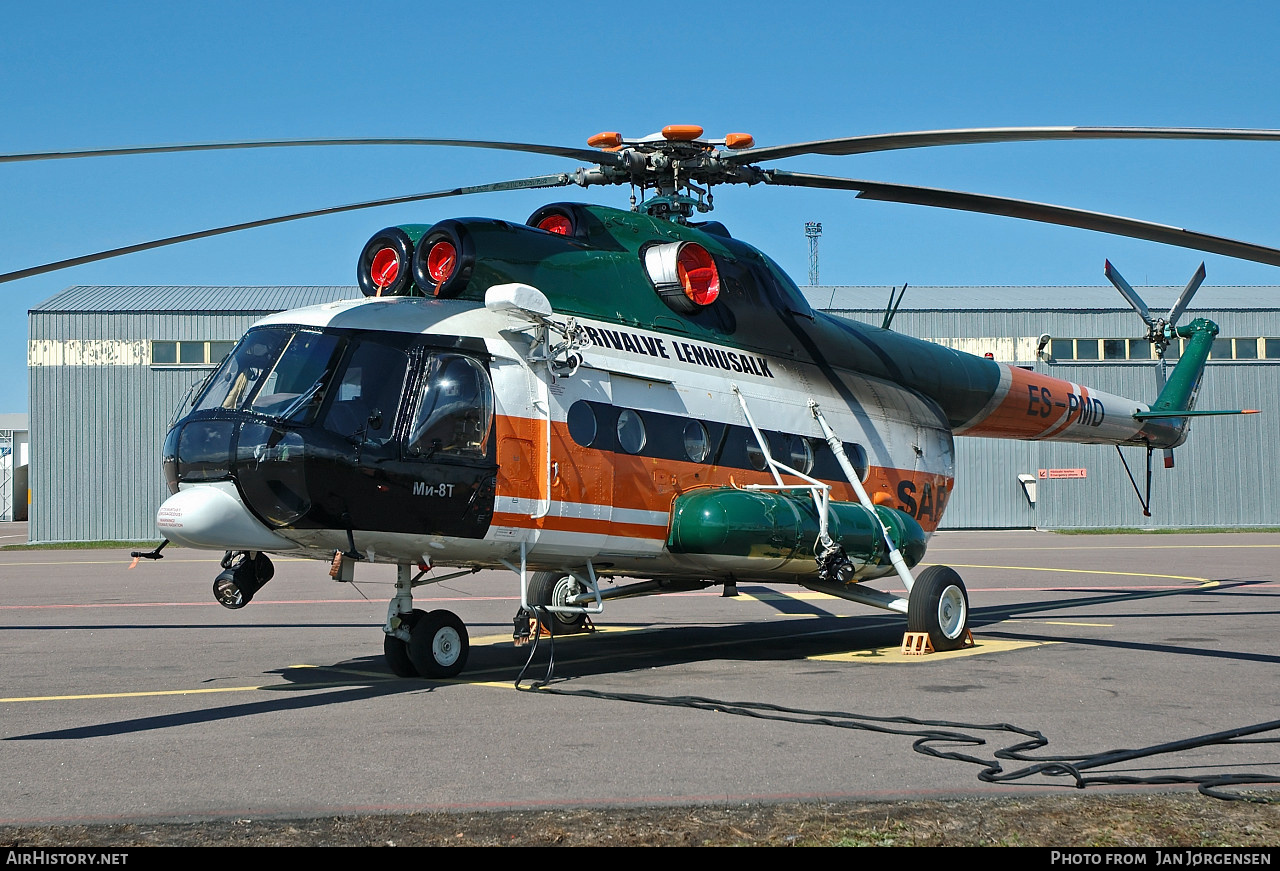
[(879, 655), (483, 641), (293, 687), (138, 695), (486, 640), (807, 595), (1086, 572), (895, 656)]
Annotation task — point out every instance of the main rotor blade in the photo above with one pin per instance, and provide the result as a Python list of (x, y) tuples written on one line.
[(544, 181), (974, 136), (1032, 211), (590, 155)]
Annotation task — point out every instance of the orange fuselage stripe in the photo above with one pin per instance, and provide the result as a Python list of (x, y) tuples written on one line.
[(1035, 406), (590, 476)]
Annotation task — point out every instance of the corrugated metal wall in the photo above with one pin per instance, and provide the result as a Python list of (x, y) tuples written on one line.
[(987, 493), (1227, 473)]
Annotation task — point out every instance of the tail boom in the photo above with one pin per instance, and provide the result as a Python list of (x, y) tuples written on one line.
[(1032, 405)]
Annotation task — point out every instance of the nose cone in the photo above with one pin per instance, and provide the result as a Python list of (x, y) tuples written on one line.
[(214, 518)]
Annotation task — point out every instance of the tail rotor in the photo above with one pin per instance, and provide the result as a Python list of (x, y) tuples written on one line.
[(1160, 331)]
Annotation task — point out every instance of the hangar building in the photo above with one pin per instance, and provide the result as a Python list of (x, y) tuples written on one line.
[(109, 365), (15, 456)]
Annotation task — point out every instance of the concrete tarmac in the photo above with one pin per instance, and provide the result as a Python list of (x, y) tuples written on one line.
[(130, 695)]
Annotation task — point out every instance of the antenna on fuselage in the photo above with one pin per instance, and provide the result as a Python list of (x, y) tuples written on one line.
[(892, 308)]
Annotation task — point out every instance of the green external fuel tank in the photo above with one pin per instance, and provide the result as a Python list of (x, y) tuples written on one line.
[(741, 530)]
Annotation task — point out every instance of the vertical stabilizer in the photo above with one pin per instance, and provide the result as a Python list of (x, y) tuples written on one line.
[(1179, 393)]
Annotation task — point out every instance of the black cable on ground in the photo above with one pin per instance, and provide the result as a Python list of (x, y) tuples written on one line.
[(540, 615), (931, 732)]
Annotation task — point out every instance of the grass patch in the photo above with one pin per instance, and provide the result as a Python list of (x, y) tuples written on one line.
[(1187, 530), (87, 545)]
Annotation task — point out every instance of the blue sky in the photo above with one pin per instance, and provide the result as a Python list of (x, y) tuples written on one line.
[(84, 75)]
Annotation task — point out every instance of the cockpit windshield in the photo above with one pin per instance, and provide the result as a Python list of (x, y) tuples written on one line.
[(351, 385), (294, 387), (278, 373)]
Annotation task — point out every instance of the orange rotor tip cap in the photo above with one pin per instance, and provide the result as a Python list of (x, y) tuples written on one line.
[(605, 140), (681, 132), (739, 140)]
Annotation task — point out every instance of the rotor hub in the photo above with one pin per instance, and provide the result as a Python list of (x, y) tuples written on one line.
[(672, 164)]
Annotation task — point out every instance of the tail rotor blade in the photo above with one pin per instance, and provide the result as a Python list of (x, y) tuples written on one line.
[(1128, 293), (1184, 299)]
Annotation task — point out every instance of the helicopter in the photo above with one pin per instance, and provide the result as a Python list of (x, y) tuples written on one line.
[(611, 403)]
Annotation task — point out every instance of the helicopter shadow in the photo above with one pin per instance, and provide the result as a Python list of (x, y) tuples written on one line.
[(802, 631), (991, 616)]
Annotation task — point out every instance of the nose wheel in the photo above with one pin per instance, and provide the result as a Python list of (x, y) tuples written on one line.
[(438, 646), (939, 605)]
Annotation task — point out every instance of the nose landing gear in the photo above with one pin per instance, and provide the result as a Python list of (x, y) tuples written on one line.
[(432, 644)]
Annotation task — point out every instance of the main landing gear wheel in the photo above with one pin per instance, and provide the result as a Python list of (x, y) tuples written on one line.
[(396, 652), (438, 645), (556, 588), (939, 605)]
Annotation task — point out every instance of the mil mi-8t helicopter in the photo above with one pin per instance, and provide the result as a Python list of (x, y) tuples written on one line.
[(614, 403)]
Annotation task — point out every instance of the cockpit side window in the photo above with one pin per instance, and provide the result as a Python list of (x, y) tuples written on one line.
[(294, 388), (367, 395), (455, 409)]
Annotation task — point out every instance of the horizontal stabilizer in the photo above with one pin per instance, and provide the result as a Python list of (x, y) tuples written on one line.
[(1158, 415)]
